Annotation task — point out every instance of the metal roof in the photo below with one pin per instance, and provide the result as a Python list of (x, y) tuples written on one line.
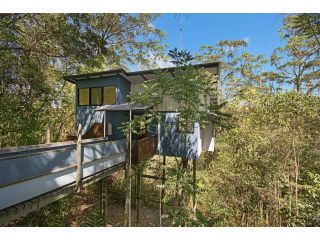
[(137, 76), (125, 107)]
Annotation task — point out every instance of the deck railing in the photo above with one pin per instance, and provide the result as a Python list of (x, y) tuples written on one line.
[(29, 171), (143, 149)]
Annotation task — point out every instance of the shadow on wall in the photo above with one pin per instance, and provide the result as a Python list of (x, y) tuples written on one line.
[(87, 117), (27, 173), (22, 165), (173, 142)]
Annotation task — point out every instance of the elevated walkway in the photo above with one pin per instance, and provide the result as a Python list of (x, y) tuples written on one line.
[(33, 176)]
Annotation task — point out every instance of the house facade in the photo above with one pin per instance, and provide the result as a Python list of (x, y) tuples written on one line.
[(95, 90)]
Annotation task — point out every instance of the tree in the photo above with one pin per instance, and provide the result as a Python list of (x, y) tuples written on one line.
[(304, 24), (38, 49), (238, 68), (266, 168), (297, 63)]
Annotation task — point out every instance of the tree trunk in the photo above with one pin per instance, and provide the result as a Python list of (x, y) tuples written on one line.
[(296, 167)]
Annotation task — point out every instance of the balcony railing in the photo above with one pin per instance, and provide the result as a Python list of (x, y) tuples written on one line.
[(143, 149)]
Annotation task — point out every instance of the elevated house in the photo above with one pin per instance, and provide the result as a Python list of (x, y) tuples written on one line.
[(102, 105), (34, 176)]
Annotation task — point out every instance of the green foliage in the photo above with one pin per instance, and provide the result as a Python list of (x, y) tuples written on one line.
[(38, 49), (266, 169), (238, 69), (297, 62), (180, 58), (303, 24)]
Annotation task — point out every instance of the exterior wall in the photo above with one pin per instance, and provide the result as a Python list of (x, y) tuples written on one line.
[(116, 118), (30, 171), (207, 139), (172, 141), (86, 114)]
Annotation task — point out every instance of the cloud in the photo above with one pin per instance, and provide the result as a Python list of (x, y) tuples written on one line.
[(151, 25), (163, 63), (247, 39), (156, 62)]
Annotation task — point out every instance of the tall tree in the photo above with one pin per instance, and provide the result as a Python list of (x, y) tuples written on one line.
[(304, 24), (238, 68), (298, 62), (36, 50)]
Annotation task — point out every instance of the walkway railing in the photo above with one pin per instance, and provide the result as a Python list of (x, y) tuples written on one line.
[(29, 171)]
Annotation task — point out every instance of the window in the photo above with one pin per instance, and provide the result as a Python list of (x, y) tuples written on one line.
[(96, 96), (109, 95), (83, 96), (185, 126)]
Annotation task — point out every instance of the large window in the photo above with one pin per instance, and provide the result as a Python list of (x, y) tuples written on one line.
[(109, 95), (185, 126), (84, 96), (96, 96)]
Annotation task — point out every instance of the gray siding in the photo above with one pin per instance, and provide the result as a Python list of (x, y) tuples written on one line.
[(116, 118), (172, 142), (27, 172), (86, 114)]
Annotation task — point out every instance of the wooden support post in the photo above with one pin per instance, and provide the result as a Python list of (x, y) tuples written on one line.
[(127, 222), (136, 186), (48, 134), (79, 159), (101, 195), (104, 198), (194, 168), (138, 194), (106, 202), (105, 124)]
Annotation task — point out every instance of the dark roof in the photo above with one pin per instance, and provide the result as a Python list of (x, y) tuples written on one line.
[(124, 107), (137, 76)]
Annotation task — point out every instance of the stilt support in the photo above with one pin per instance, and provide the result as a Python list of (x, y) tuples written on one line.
[(127, 220), (103, 189), (138, 194)]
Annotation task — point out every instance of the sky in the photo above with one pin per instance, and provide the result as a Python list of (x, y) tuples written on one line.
[(261, 31)]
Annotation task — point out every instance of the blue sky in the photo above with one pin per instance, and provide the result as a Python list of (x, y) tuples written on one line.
[(260, 30)]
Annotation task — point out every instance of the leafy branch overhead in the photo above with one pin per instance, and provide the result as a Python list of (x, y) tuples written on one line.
[(189, 86)]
